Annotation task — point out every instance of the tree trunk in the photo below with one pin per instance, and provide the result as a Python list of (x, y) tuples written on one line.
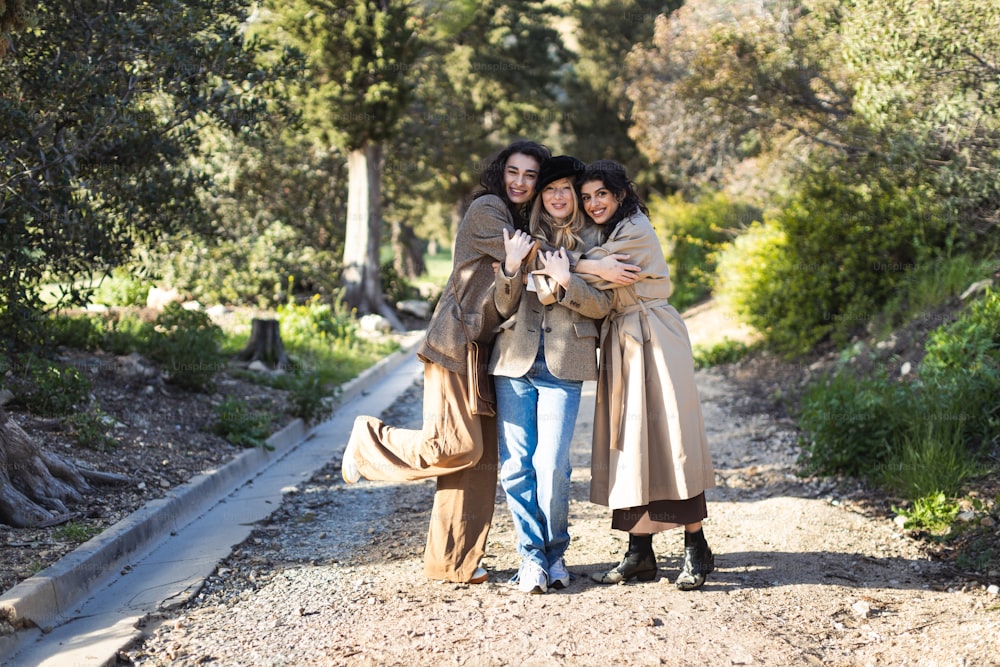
[(362, 240), (35, 485), (407, 253), (265, 344)]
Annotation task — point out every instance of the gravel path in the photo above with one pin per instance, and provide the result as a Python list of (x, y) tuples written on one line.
[(335, 578)]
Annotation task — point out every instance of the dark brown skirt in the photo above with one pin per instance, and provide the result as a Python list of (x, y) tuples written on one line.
[(660, 515)]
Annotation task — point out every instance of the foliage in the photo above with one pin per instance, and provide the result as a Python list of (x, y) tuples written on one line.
[(96, 149), (962, 368), (50, 389), (724, 82), (934, 513), (919, 437), (726, 352), (824, 264), (930, 457), (926, 79), (91, 429), (122, 288), (850, 424), (239, 424), (928, 286), (326, 340), (695, 231), (396, 287), (600, 127), (309, 397), (186, 344)]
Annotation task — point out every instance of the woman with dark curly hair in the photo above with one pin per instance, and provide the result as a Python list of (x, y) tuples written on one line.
[(455, 445)]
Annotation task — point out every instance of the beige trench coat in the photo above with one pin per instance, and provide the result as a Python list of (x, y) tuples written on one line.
[(649, 436)]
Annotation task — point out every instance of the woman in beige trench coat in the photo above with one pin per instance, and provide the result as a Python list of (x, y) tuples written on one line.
[(650, 460)]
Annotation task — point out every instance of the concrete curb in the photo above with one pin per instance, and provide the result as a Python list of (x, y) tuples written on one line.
[(44, 598)]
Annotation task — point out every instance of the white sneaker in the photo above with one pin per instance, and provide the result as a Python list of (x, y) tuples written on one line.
[(558, 575), (348, 467), (531, 578)]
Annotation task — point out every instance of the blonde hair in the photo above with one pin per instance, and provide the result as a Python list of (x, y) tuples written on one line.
[(564, 234)]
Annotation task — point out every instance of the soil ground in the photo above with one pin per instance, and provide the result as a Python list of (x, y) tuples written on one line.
[(810, 572)]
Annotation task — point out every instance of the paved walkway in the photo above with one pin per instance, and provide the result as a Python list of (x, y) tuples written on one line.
[(88, 604)]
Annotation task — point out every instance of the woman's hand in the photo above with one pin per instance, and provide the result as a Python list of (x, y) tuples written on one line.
[(613, 269), (516, 248), (555, 264)]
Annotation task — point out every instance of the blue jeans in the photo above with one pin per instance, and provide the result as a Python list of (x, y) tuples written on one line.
[(536, 415)]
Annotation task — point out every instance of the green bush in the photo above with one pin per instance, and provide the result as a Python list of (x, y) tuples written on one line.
[(921, 437), (240, 425), (186, 344), (395, 287), (78, 332), (928, 286), (122, 288), (961, 367), (325, 339), (91, 430), (51, 390), (824, 264), (850, 423), (252, 270), (694, 232), (726, 352), (929, 458), (309, 397)]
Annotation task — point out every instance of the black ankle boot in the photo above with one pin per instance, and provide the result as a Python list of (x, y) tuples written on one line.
[(698, 561), (639, 563)]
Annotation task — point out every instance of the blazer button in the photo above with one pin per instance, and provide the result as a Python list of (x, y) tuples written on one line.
[(548, 329), (548, 307)]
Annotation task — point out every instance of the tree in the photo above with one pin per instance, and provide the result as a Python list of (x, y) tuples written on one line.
[(725, 82), (358, 53), (597, 113), (100, 125), (927, 78), (489, 72)]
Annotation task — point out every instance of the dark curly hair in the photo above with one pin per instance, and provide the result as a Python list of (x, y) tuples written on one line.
[(614, 177), (492, 183)]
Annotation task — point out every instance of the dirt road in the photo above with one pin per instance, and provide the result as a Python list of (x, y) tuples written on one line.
[(335, 578)]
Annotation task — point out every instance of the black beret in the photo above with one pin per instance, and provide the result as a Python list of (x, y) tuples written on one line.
[(560, 166)]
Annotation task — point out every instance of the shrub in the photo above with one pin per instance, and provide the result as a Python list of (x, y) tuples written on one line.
[(726, 352), (51, 390), (850, 423), (325, 338), (81, 333), (122, 288), (186, 343), (91, 430), (243, 427), (823, 265), (694, 232)]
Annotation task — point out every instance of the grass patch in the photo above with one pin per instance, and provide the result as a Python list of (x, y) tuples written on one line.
[(727, 352)]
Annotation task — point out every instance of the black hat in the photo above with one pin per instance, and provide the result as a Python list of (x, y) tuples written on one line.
[(560, 166)]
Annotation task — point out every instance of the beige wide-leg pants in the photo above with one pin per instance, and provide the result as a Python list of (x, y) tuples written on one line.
[(457, 447)]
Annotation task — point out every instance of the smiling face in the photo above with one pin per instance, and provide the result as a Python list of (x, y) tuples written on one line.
[(519, 176), (559, 199), (599, 202)]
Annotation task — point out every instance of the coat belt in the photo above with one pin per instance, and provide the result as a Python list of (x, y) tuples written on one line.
[(612, 357)]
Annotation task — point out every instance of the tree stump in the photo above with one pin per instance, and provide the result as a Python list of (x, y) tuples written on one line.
[(35, 484), (265, 344)]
